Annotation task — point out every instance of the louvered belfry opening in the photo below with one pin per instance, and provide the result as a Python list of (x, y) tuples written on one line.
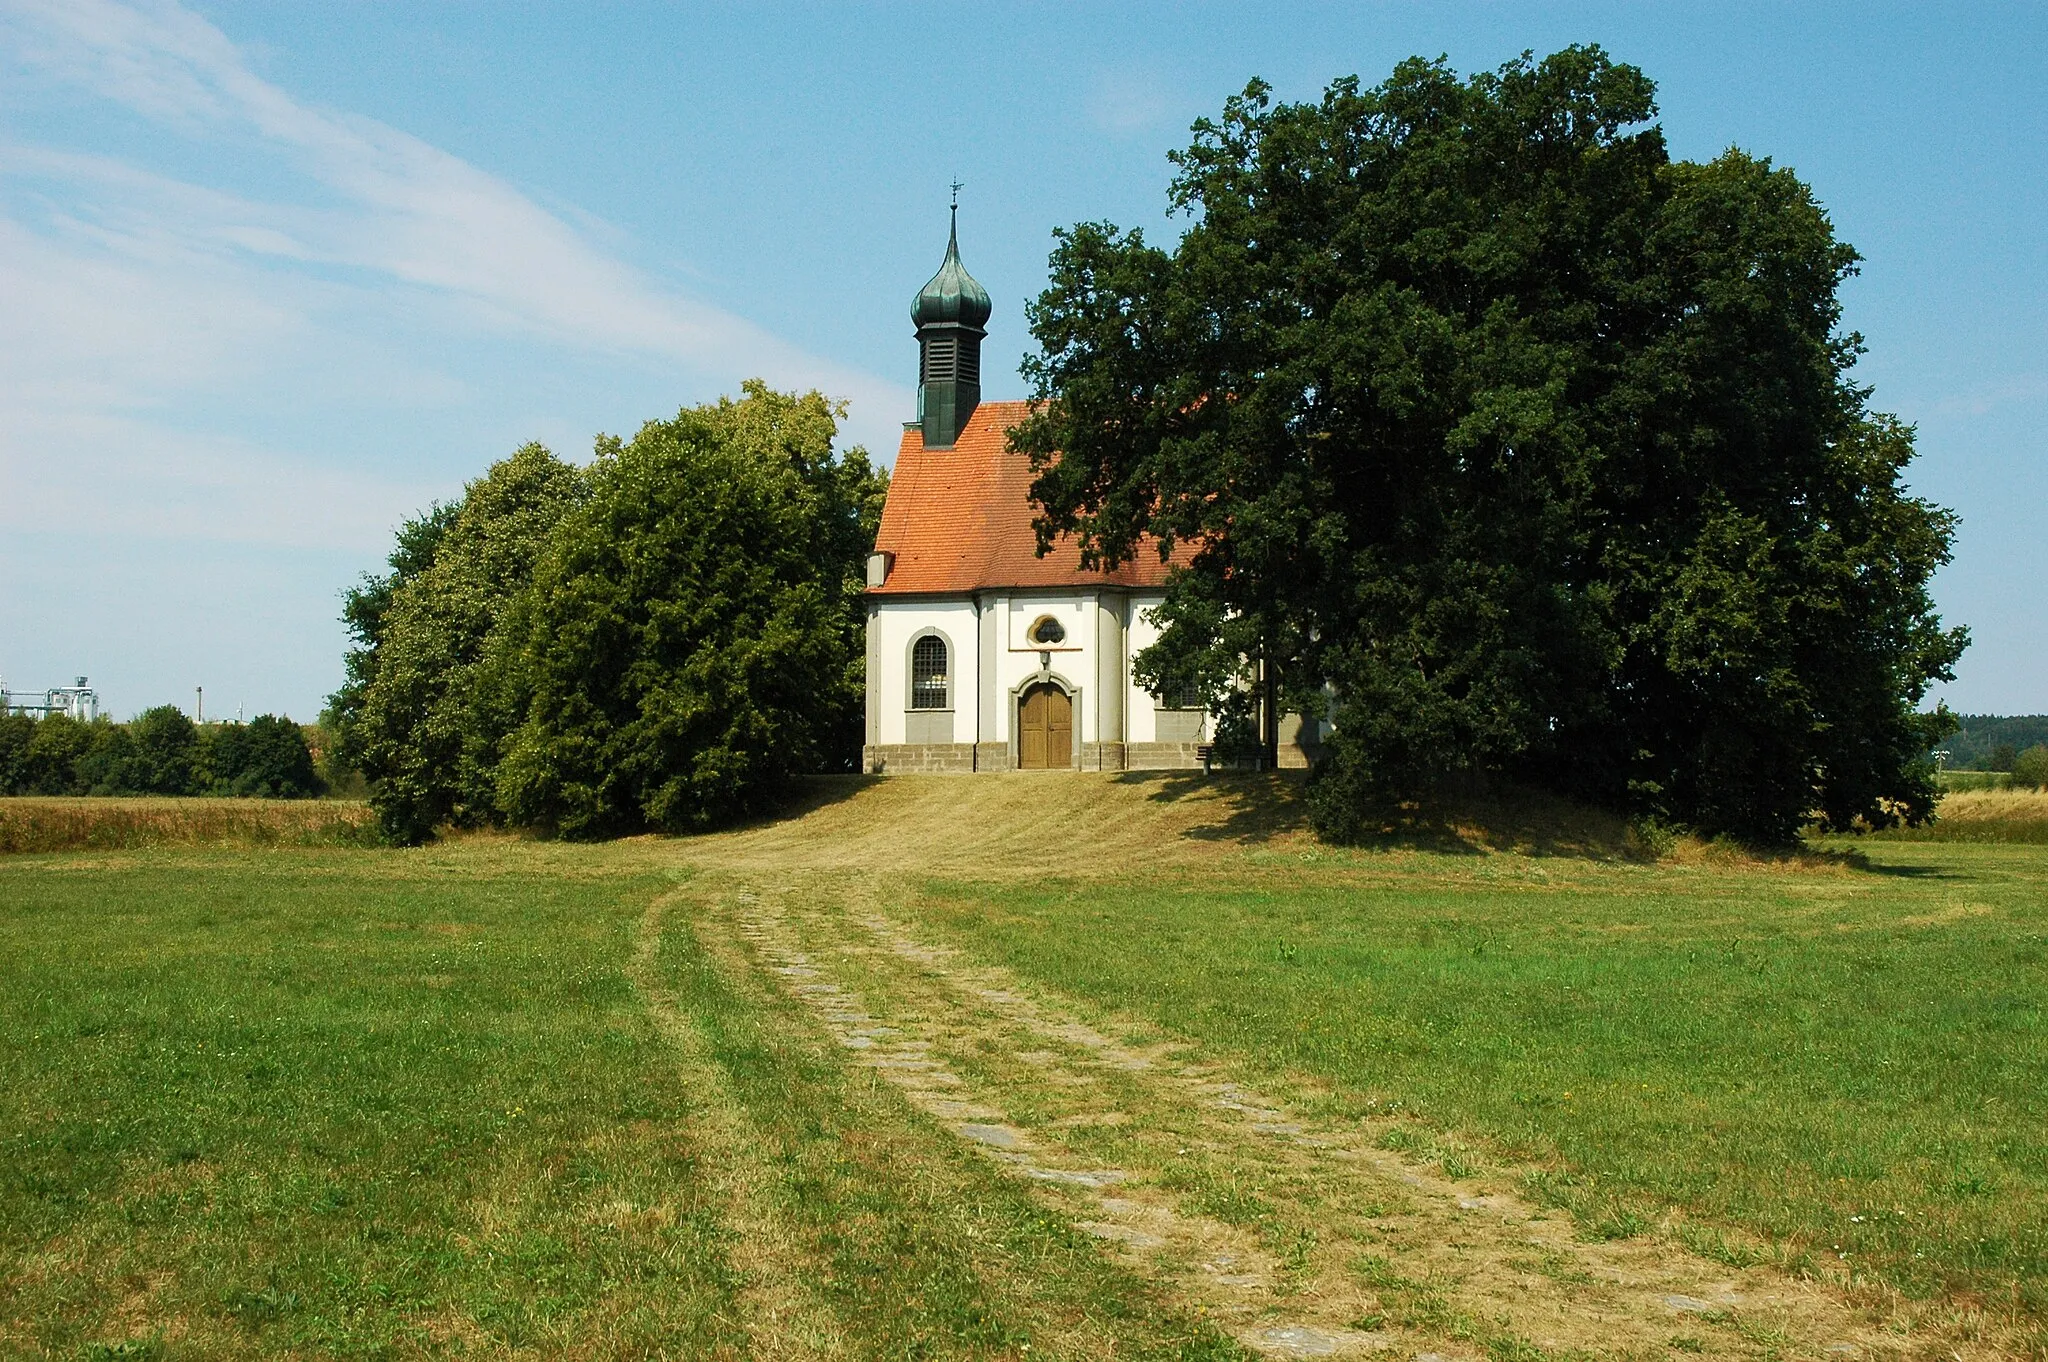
[(941, 359), (950, 357), (950, 313)]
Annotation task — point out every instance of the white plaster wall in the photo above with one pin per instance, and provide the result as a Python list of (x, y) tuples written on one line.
[(897, 622), (1138, 703), (1016, 659), (1073, 661)]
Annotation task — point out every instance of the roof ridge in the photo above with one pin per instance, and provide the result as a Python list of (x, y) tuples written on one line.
[(959, 519)]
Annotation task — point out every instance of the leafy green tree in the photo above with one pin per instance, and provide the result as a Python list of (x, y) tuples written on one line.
[(1535, 449), (17, 731), (2000, 758), (2030, 768), (110, 764), (429, 719), (693, 637), (55, 751), (266, 758), (164, 754), (56, 755), (364, 607)]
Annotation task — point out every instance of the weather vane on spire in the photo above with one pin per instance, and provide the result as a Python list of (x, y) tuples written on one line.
[(957, 187)]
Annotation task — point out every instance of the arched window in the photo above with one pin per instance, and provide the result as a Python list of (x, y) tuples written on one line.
[(928, 673), (1048, 631)]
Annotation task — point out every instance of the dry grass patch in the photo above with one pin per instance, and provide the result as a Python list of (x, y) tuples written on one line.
[(1008, 824), (39, 824), (1984, 816), (1092, 825)]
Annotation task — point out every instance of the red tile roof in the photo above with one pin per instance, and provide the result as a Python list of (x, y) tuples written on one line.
[(959, 519)]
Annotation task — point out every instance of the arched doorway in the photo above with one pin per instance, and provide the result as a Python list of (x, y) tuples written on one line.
[(1045, 728)]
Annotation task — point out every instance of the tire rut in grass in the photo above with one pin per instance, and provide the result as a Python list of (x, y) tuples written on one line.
[(916, 1251), (1237, 1272), (781, 1317), (1304, 1239)]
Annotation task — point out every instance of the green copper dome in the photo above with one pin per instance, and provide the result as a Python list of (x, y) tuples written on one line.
[(952, 295)]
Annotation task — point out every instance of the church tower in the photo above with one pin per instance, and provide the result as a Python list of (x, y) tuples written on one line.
[(951, 314)]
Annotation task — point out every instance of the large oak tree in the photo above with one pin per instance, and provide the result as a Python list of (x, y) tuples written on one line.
[(1520, 445)]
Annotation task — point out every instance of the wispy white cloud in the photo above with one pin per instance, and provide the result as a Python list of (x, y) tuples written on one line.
[(123, 478), (129, 290), (1129, 100)]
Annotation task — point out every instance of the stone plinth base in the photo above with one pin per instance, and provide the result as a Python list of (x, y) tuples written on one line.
[(934, 758), (960, 758), (918, 757), (1163, 756)]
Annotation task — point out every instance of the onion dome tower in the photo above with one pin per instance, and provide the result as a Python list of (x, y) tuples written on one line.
[(951, 314)]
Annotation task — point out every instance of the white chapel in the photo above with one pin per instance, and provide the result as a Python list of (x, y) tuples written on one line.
[(981, 654)]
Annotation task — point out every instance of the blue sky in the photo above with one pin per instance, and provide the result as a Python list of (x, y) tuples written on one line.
[(273, 276)]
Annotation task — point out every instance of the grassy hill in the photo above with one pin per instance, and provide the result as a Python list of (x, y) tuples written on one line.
[(1029, 1066)]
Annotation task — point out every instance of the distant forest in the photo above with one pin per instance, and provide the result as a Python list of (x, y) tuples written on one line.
[(1989, 742)]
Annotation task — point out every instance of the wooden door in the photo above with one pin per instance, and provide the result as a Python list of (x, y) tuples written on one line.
[(1045, 729)]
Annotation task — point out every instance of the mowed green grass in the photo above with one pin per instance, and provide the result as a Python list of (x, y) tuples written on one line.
[(1852, 1062), (488, 1101), (495, 1099), (344, 1103)]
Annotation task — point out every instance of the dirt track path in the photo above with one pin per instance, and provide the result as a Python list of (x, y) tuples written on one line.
[(1299, 1239)]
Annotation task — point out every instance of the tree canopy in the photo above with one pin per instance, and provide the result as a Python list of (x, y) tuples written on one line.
[(159, 752), (663, 640), (432, 711), (693, 637), (1512, 444), (266, 758)]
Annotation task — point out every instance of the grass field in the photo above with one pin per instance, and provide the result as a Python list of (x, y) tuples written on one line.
[(846, 1085), (1998, 816), (106, 824), (379, 1104), (1852, 1064), (337, 1103)]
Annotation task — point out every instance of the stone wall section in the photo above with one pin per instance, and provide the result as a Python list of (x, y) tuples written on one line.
[(1164, 756), (934, 758), (963, 758), (1104, 756), (920, 758)]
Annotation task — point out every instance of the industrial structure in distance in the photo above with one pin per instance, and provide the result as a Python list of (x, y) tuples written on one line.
[(80, 702)]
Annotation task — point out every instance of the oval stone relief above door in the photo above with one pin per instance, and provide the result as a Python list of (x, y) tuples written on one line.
[(1045, 728)]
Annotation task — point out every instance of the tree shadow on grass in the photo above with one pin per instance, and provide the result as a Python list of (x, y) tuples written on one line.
[(1247, 808), (1474, 816), (1856, 859), (812, 793), (1475, 821), (1255, 808), (1251, 809)]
